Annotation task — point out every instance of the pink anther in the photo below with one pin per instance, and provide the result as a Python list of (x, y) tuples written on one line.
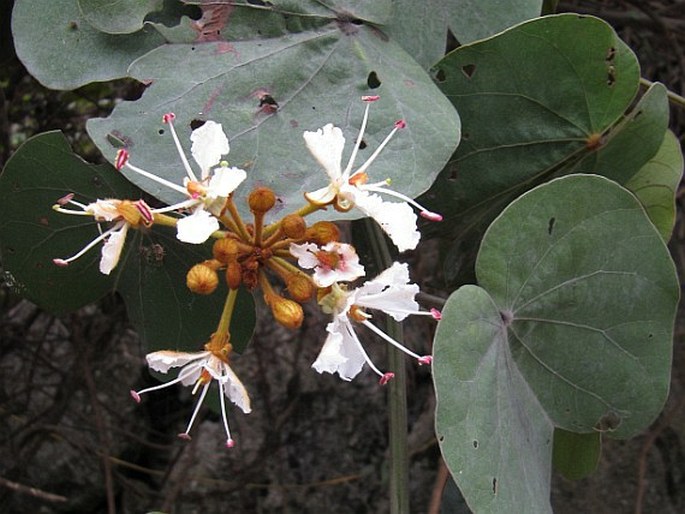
[(122, 158), (135, 396), (168, 117), (432, 216), (437, 315), (370, 98), (426, 360), (400, 124), (387, 377)]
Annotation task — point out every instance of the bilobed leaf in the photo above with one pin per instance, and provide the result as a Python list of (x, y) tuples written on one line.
[(119, 16), (150, 274), (543, 99), (321, 76), (577, 298), (68, 52), (575, 455), (495, 437), (656, 183)]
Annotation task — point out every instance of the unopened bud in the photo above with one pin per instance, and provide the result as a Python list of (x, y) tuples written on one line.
[(225, 250), (202, 279), (294, 226), (261, 200), (323, 232), (234, 275), (300, 288), (287, 312)]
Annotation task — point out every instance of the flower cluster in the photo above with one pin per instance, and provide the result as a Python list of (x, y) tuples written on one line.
[(308, 260)]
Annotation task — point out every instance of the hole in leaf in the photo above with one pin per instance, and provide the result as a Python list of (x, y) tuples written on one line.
[(10, 249), (494, 485), (611, 53), (373, 81), (72, 25), (611, 76), (160, 132), (468, 70), (475, 444), (440, 75), (609, 422), (637, 115), (441, 438), (196, 124), (260, 3), (362, 144), (650, 336), (550, 226)]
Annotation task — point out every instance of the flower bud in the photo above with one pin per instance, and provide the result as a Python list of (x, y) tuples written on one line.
[(323, 232), (300, 288), (202, 279), (225, 250), (294, 226), (287, 312), (261, 200), (234, 275)]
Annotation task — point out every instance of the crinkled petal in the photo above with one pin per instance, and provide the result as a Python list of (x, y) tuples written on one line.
[(224, 181), (235, 390), (111, 250), (104, 209), (209, 145), (305, 254), (397, 219), (164, 360), (341, 352), (323, 196), (197, 227), (389, 292), (326, 145)]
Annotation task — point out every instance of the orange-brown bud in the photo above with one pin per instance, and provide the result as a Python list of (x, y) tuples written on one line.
[(300, 288), (323, 232), (261, 200), (286, 312), (202, 279), (234, 275), (294, 226), (225, 250)]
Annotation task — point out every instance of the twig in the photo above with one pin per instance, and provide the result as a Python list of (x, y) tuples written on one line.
[(438, 488), (32, 491)]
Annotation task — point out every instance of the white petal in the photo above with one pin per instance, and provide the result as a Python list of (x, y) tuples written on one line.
[(111, 250), (305, 253), (397, 219), (164, 360), (389, 292), (224, 181), (326, 145), (209, 145), (235, 390), (322, 196), (104, 209), (341, 352), (197, 227)]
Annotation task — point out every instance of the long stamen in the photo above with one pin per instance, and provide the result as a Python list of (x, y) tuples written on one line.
[(390, 340), (168, 119), (230, 443), (94, 242), (354, 337), (183, 374), (358, 143), (185, 204), (155, 178), (186, 435), (378, 187), (398, 125), (58, 208)]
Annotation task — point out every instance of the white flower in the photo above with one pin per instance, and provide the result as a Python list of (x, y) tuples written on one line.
[(208, 192), (123, 212), (334, 262), (349, 188), (199, 369), (389, 292)]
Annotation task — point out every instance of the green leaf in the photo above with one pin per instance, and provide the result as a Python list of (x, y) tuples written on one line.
[(151, 272), (656, 183), (68, 52), (321, 76), (519, 131), (119, 17), (493, 433), (575, 455), (478, 19), (572, 328)]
